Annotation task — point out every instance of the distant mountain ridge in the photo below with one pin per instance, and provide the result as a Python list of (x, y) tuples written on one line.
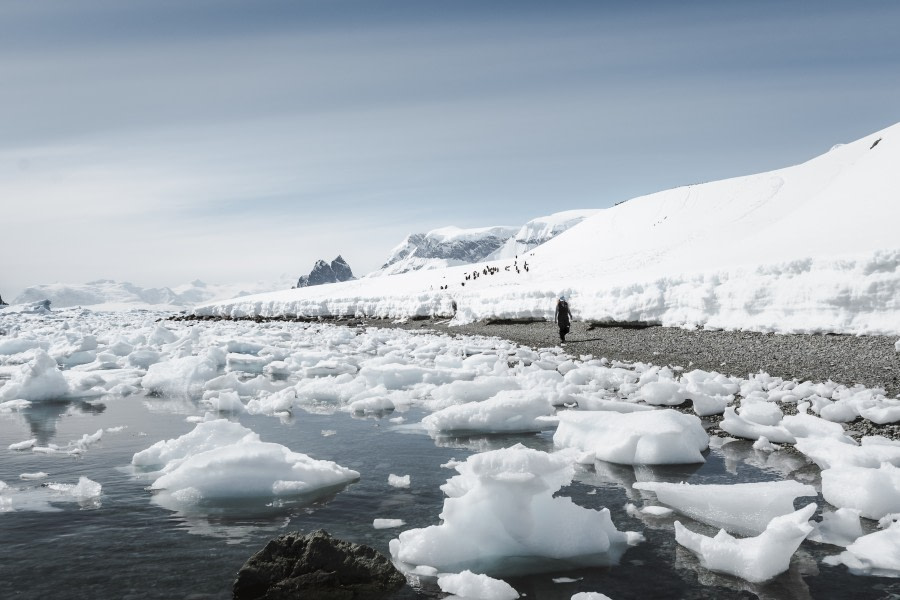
[(452, 246), (116, 294), (323, 273)]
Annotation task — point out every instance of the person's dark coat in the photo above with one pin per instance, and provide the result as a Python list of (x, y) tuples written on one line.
[(563, 314)]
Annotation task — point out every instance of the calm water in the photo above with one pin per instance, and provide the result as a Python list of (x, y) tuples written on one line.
[(127, 546)]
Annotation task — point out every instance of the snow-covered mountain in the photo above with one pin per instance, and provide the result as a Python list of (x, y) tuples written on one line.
[(808, 248), (107, 294), (453, 246), (324, 272), (444, 247)]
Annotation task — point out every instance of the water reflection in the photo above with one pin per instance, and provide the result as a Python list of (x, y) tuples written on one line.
[(787, 463), (43, 417), (477, 443), (238, 519)]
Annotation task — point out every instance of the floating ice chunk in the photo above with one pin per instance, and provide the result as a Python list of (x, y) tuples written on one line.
[(398, 481), (205, 436), (161, 336), (274, 403), (327, 368), (11, 405), (23, 445), (38, 380), (224, 401), (875, 554), (804, 425), (388, 523), (17, 345), (657, 511), (741, 508), (873, 492), (590, 596), (249, 469), (143, 358), (832, 452), (662, 393), (654, 437), (470, 586), (180, 377), (220, 459), (839, 528), (508, 411), (755, 559), (764, 445), (482, 388), (378, 404), (738, 426), (34, 476), (764, 413), (500, 515), (246, 363), (84, 490)]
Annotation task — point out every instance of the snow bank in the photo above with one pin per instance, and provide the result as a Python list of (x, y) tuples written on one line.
[(755, 559), (741, 508), (658, 437), (723, 254), (501, 515)]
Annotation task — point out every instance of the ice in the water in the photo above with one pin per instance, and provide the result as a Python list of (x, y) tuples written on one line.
[(839, 528), (180, 377), (388, 523), (755, 559), (37, 380), (507, 411), (873, 492), (741, 508), (25, 445), (590, 596), (500, 515), (398, 481), (221, 460), (833, 452), (85, 489), (653, 437), (471, 586), (875, 554)]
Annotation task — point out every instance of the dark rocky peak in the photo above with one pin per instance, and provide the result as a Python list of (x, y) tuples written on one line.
[(323, 273)]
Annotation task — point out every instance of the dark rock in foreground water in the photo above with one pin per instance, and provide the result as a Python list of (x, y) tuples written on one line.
[(316, 565)]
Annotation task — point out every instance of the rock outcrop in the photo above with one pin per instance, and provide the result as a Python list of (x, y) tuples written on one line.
[(323, 272), (316, 565)]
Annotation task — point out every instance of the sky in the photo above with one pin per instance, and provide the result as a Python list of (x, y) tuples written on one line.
[(162, 141)]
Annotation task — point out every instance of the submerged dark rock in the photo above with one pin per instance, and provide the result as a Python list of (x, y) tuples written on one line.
[(316, 565)]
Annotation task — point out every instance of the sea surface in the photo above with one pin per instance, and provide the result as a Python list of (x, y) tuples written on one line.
[(126, 545)]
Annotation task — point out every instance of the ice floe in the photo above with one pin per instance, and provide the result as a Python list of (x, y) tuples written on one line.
[(741, 508), (651, 438), (500, 515), (755, 559)]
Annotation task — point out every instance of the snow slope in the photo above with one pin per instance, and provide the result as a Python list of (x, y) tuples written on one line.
[(808, 248)]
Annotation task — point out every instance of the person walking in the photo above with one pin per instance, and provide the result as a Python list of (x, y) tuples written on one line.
[(563, 317)]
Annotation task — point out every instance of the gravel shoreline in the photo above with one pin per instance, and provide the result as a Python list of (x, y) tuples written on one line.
[(871, 361), (867, 360)]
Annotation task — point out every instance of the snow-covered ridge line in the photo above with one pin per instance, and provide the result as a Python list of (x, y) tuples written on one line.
[(851, 295)]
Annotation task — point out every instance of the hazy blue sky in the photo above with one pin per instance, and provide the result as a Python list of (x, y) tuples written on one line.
[(161, 141)]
